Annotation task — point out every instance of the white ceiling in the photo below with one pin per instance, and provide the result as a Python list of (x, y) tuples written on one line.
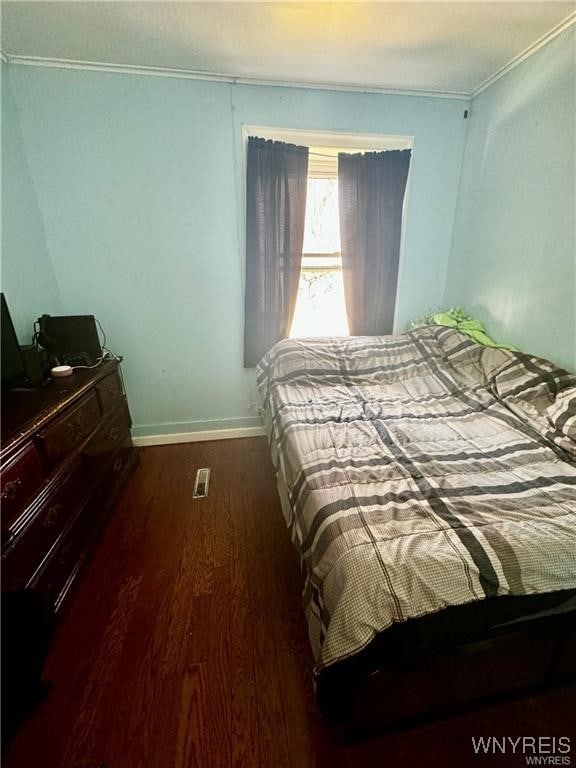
[(430, 46)]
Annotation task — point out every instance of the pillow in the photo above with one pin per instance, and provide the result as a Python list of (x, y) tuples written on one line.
[(542, 395), (562, 413)]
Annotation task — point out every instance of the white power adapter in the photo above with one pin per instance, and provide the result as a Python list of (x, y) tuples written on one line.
[(59, 371)]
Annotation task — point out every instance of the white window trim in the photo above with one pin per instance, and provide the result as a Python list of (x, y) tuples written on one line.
[(350, 141)]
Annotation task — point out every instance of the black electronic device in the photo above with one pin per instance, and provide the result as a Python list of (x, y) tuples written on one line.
[(69, 339), (11, 363), (36, 364)]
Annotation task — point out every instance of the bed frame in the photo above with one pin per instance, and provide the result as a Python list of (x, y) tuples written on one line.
[(371, 693)]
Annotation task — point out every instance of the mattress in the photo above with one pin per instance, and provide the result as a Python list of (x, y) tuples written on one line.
[(419, 473)]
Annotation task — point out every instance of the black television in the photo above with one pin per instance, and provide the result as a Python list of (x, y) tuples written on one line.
[(11, 363)]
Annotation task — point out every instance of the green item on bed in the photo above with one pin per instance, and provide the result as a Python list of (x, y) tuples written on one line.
[(466, 324)]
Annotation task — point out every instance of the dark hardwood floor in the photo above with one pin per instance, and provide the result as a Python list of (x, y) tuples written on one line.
[(186, 646)]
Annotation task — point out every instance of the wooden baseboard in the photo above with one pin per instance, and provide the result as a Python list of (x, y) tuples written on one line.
[(198, 437)]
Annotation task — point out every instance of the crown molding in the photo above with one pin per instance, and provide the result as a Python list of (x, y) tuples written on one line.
[(536, 46), (185, 74)]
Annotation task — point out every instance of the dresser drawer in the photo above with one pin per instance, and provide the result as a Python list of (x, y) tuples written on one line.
[(55, 577), (60, 439), (110, 392), (109, 436), (35, 540), (115, 468), (21, 477)]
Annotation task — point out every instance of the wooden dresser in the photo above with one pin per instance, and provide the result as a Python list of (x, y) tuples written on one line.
[(66, 452)]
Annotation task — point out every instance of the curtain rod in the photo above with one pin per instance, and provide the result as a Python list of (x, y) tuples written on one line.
[(318, 154), (350, 151)]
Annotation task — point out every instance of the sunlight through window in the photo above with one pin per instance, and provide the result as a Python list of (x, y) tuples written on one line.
[(320, 308)]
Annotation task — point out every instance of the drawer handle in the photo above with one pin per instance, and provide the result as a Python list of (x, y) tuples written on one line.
[(52, 516), (76, 427), (64, 552), (118, 464), (11, 489), (113, 433)]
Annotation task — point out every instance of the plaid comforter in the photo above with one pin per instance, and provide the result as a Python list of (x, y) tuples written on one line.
[(419, 472)]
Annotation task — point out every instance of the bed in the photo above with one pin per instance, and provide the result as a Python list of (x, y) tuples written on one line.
[(429, 486)]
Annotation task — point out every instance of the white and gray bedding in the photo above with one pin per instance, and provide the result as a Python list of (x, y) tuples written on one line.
[(419, 472)]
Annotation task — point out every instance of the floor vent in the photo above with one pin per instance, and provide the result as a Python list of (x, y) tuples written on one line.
[(201, 484)]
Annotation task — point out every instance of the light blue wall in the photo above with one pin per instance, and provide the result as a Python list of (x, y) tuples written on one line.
[(140, 183), (28, 278), (513, 261), (438, 128)]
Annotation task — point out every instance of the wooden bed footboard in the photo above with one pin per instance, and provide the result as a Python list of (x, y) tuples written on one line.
[(504, 663)]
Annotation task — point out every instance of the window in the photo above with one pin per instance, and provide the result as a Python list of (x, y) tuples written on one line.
[(320, 308), (320, 304)]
